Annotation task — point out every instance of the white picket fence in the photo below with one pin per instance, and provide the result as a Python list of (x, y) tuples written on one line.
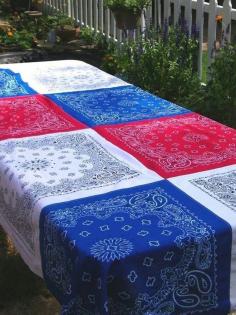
[(92, 13)]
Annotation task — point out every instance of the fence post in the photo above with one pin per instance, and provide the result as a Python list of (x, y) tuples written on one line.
[(199, 25), (226, 23), (212, 30)]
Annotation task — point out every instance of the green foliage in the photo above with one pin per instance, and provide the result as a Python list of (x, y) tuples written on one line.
[(166, 66), (163, 63), (88, 35), (25, 30), (127, 4), (91, 37), (40, 26), (220, 101), (21, 39)]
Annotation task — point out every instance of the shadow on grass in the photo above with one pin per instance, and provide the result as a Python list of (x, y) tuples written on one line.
[(21, 291)]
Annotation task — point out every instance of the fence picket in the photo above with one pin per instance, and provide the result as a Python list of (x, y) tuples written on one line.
[(226, 23), (166, 10), (64, 7), (149, 21), (119, 35), (199, 26), (155, 21), (143, 21), (188, 15), (159, 12), (76, 12), (107, 22), (113, 25), (69, 9), (57, 5), (93, 14), (85, 5), (212, 30), (90, 13), (177, 11), (81, 16), (100, 13), (96, 15)]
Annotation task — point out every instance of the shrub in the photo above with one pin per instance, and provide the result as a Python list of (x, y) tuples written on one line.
[(163, 63), (40, 26), (21, 39), (220, 100)]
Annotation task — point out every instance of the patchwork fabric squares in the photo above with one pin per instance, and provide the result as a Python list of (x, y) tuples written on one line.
[(115, 105), (216, 190), (12, 85), (32, 115), (178, 145), (43, 170), (64, 76), (145, 250), (222, 187)]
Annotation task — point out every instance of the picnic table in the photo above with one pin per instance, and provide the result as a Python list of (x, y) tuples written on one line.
[(123, 202)]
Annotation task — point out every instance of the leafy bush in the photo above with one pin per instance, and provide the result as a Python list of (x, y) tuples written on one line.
[(162, 63), (40, 26), (92, 37), (22, 39), (220, 100), (88, 35)]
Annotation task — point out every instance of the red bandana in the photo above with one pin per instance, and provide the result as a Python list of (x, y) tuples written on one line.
[(33, 115), (176, 146)]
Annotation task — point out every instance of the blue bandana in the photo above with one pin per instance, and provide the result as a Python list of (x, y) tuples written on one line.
[(115, 105)]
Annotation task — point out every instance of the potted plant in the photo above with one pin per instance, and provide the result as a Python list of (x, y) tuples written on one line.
[(127, 12)]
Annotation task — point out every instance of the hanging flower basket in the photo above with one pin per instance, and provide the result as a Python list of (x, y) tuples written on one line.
[(127, 19)]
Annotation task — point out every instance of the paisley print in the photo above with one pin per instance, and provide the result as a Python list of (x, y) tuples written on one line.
[(12, 85), (32, 115), (115, 105), (135, 251), (176, 145)]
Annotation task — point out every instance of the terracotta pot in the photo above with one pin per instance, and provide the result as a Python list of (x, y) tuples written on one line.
[(67, 35), (127, 19)]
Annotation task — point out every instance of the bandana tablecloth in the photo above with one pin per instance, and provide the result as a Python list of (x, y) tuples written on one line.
[(125, 203)]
